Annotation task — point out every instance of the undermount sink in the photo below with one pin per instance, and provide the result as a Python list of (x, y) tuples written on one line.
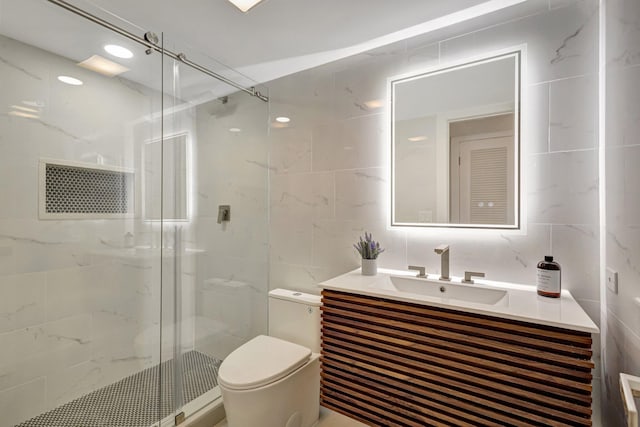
[(450, 291)]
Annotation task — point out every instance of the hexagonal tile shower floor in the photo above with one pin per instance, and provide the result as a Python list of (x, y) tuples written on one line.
[(133, 401)]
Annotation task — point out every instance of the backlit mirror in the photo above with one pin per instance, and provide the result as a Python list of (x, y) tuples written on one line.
[(455, 145)]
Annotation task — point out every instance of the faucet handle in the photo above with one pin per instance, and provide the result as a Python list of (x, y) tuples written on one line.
[(421, 270), (469, 274)]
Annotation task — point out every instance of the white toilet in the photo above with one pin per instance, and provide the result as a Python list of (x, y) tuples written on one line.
[(274, 381)]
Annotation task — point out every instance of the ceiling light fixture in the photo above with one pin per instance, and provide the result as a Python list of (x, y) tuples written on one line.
[(235, 130), (103, 66), (118, 51), (283, 119), (244, 5), (70, 80)]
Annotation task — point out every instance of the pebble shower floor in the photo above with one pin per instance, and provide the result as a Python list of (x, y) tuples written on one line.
[(133, 401)]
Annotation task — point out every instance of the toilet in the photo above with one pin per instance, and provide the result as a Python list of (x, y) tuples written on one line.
[(274, 380)]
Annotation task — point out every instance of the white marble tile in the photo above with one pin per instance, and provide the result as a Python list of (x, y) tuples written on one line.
[(23, 301), (356, 87), (535, 118), (73, 382), (623, 107), (623, 256), (361, 194), (348, 144), (22, 402), (291, 239), (560, 43), (333, 246), (302, 195), (623, 32), (563, 187), (291, 150), (573, 113), (576, 248), (295, 276)]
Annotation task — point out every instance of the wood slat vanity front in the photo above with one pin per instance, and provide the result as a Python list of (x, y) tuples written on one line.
[(394, 363)]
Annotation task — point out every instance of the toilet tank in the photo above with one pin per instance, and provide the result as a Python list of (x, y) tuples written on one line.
[(295, 317)]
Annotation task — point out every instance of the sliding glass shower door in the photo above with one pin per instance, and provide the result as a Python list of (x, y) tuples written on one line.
[(79, 266), (215, 221), (133, 220)]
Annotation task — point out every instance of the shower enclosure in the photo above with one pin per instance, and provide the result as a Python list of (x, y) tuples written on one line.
[(133, 219)]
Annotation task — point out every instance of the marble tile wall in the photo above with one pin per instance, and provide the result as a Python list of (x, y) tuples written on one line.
[(622, 153), (77, 311), (232, 273), (329, 177)]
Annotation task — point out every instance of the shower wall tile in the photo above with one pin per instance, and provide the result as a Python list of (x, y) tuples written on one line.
[(60, 279), (22, 402), (229, 279), (23, 301)]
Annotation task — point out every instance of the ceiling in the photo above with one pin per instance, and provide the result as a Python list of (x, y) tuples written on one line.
[(275, 38)]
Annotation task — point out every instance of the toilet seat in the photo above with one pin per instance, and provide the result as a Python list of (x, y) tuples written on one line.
[(261, 361)]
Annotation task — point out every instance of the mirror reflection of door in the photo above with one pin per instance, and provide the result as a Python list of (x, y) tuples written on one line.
[(482, 175)]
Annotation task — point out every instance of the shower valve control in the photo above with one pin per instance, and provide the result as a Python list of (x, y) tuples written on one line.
[(224, 213)]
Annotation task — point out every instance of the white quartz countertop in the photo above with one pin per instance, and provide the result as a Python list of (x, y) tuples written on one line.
[(521, 302)]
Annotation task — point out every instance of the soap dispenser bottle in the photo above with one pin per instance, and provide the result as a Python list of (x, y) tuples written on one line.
[(548, 278)]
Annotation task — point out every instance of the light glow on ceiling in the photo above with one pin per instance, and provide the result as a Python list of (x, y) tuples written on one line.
[(23, 114), (244, 5), (418, 138), (373, 104), (118, 51), (103, 66), (70, 80), (235, 130), (283, 119), (27, 109)]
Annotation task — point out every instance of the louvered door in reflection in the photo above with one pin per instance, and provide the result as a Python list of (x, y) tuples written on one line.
[(486, 181)]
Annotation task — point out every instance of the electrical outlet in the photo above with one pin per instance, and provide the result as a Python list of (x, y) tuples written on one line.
[(612, 280)]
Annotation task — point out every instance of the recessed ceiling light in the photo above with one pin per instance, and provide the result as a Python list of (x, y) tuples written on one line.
[(70, 80), (244, 5), (418, 138), (118, 51), (103, 66), (283, 119), (235, 130)]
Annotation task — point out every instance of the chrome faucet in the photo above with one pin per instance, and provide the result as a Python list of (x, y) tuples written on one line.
[(443, 251), (421, 270), (469, 274)]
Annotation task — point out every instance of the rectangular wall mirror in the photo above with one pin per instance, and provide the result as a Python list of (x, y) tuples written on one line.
[(455, 145)]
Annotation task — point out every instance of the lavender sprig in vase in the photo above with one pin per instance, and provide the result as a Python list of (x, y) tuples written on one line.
[(369, 251)]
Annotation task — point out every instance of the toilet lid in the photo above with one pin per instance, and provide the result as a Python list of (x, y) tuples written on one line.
[(261, 361)]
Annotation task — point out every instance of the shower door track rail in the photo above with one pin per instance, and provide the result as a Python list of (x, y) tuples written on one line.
[(177, 56)]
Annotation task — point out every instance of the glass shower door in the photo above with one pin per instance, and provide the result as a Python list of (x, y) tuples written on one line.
[(215, 220), (79, 262)]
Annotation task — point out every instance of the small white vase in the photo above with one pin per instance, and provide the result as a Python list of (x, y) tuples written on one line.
[(369, 267)]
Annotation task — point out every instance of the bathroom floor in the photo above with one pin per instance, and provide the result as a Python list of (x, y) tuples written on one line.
[(328, 418), (133, 401)]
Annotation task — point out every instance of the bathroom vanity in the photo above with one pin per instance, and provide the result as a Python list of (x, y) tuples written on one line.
[(398, 350)]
